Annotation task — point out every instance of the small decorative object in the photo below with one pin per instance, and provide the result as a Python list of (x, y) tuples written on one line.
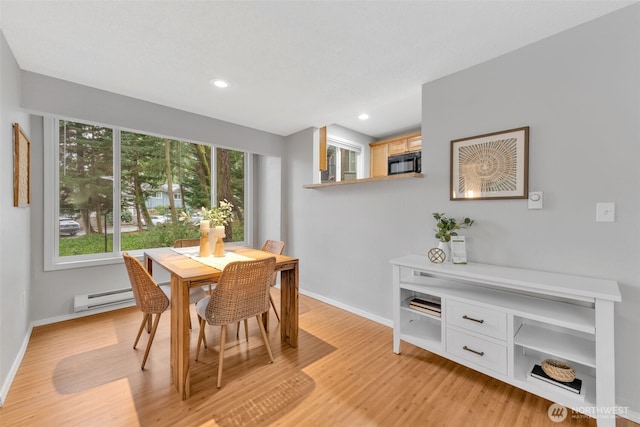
[(217, 217), (436, 255), (458, 250), (204, 239), (491, 166), (558, 370), (21, 168), (446, 227), (219, 246)]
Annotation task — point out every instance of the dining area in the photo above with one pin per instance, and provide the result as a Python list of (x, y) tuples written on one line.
[(238, 285)]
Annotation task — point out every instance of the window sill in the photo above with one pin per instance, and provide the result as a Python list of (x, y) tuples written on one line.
[(363, 180)]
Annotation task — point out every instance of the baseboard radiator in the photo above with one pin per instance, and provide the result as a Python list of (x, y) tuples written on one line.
[(102, 299)]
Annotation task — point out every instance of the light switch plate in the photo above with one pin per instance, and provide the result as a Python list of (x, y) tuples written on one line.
[(535, 200), (605, 212)]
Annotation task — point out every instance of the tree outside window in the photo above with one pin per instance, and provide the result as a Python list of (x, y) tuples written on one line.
[(159, 178)]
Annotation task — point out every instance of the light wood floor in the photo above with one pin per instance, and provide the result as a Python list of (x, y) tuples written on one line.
[(84, 372)]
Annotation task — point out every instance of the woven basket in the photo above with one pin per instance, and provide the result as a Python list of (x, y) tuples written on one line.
[(558, 370)]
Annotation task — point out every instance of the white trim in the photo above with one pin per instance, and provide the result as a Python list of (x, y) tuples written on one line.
[(249, 192), (350, 309), (51, 238), (4, 391), (345, 143)]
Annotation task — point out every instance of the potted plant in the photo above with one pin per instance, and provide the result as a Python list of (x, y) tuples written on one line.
[(214, 219), (447, 227)]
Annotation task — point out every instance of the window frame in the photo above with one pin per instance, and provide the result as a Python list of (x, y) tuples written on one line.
[(339, 143), (52, 260)]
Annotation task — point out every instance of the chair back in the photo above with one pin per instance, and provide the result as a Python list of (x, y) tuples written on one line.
[(149, 297), (273, 246), (242, 291), (184, 243)]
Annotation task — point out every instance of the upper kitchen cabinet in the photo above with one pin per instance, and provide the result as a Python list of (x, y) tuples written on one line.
[(380, 151)]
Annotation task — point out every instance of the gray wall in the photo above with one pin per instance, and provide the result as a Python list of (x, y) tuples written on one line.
[(15, 244), (579, 92), (53, 291)]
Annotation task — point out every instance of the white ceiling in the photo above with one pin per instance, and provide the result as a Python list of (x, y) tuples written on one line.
[(292, 65)]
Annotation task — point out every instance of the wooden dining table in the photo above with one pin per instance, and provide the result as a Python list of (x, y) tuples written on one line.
[(187, 273)]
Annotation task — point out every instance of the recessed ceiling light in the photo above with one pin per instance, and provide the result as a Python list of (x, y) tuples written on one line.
[(220, 83), (363, 116)]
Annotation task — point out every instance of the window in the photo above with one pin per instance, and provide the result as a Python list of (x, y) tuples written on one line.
[(115, 190), (344, 161)]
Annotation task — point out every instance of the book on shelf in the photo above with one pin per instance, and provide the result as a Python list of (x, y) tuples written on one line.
[(425, 304), (421, 309), (574, 386)]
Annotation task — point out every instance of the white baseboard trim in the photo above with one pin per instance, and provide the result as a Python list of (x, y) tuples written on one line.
[(14, 368), (632, 415), (350, 309), (71, 316)]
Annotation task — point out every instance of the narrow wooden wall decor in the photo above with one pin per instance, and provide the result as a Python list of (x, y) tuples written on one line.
[(323, 148), (21, 168)]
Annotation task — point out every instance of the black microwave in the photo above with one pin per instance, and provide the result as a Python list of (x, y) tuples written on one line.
[(405, 163)]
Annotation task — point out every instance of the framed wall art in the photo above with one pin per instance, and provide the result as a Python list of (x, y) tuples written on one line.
[(21, 168), (490, 166)]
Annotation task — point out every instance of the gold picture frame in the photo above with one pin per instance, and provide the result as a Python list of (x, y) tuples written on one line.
[(21, 168), (490, 166)]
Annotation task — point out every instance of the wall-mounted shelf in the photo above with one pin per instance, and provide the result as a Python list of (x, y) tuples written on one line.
[(363, 180)]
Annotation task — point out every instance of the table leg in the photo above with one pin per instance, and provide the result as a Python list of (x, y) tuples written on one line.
[(289, 306), (180, 337)]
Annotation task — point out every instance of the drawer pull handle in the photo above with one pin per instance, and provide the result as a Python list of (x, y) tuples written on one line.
[(479, 353), (472, 319)]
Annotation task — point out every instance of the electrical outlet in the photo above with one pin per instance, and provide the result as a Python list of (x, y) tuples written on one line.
[(605, 212)]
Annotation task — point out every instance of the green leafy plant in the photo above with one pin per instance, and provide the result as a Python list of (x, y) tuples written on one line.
[(219, 215), (446, 227)]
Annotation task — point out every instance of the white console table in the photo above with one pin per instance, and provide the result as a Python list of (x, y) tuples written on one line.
[(502, 321)]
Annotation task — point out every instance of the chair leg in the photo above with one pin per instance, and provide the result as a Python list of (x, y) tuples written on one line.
[(200, 337), (144, 321), (223, 334), (153, 334), (273, 304), (149, 324), (264, 336), (246, 330)]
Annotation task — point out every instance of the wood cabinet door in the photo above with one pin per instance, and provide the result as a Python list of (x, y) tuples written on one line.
[(414, 143), (379, 154), (398, 146)]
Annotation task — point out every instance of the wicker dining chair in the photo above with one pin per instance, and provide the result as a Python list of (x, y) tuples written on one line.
[(196, 293), (150, 299), (241, 292), (185, 243), (274, 247)]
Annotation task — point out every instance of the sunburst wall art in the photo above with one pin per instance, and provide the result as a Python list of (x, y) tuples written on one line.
[(490, 166)]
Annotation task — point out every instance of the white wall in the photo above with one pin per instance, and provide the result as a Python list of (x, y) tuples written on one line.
[(579, 92), (15, 244)]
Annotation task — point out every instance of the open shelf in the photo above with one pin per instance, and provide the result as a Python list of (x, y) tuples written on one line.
[(363, 180), (522, 367), (562, 345)]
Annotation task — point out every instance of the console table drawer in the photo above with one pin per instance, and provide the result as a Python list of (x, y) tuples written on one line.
[(487, 354), (492, 323)]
